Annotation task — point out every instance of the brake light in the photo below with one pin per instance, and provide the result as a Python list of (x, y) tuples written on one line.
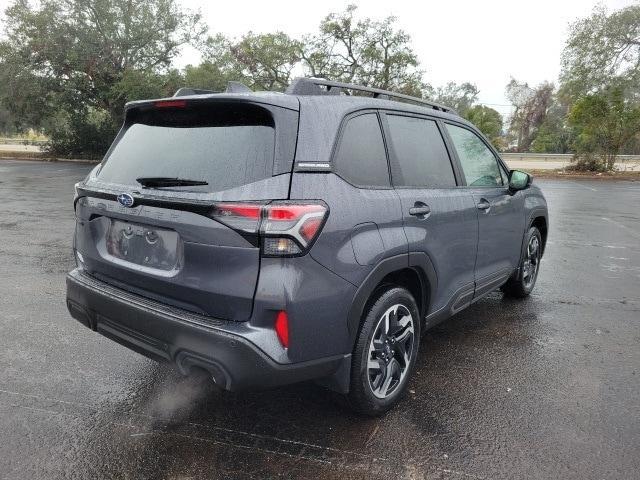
[(243, 217), (282, 328), (171, 104), (242, 210), (286, 228)]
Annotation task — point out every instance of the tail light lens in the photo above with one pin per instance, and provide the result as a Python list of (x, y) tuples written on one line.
[(244, 217), (286, 228)]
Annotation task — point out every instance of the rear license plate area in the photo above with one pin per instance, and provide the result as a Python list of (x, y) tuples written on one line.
[(144, 245)]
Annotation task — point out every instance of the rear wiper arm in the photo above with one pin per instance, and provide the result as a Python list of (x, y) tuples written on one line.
[(159, 182)]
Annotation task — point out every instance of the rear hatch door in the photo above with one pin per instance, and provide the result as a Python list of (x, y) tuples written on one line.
[(147, 218)]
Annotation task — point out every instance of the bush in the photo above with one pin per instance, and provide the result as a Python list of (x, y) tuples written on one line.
[(588, 162), (81, 134)]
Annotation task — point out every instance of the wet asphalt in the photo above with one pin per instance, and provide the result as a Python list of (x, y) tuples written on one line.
[(548, 387)]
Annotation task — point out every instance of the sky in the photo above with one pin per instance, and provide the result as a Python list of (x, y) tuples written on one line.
[(485, 42)]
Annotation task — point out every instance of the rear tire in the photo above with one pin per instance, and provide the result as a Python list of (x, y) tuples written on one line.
[(385, 353), (522, 285)]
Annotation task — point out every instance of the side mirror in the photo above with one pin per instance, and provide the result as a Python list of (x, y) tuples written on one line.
[(519, 180)]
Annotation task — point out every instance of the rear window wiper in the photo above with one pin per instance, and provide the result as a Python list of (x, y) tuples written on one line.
[(159, 182)]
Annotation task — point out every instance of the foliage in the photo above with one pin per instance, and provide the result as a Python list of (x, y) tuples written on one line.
[(600, 80), (7, 122), (488, 120), (605, 122), (74, 63), (82, 133), (67, 67), (554, 134), (363, 51), (602, 47), (262, 61), (459, 96), (530, 110)]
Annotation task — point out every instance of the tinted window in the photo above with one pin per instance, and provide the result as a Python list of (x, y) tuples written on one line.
[(479, 165), (226, 148), (361, 157), (421, 155)]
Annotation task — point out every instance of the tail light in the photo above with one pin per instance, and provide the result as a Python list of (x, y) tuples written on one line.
[(285, 228)]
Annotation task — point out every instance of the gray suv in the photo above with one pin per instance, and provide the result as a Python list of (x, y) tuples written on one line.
[(272, 238)]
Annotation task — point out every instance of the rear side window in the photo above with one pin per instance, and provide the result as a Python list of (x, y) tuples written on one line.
[(361, 157), (225, 146), (421, 158), (478, 163)]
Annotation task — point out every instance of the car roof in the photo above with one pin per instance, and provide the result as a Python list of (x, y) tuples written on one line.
[(316, 144)]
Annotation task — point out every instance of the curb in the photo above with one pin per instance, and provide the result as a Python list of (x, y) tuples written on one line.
[(47, 159)]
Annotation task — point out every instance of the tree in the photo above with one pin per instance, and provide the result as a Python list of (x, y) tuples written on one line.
[(262, 61), (605, 123), (459, 96), (488, 120), (530, 110), (345, 49), (363, 51), (600, 48), (554, 134), (79, 61)]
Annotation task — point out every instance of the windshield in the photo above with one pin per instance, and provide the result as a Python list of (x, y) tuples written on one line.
[(224, 146)]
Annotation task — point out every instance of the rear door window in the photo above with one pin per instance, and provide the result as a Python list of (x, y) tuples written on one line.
[(226, 147), (421, 158), (361, 157), (478, 163)]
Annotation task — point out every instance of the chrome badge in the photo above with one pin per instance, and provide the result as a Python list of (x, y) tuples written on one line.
[(125, 200)]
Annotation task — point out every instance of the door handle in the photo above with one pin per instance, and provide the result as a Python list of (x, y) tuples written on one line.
[(420, 210), (483, 204)]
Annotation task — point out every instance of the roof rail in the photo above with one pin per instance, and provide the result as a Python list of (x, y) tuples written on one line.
[(312, 86), (232, 87)]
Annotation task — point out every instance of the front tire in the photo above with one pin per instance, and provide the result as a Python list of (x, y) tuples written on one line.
[(385, 353), (522, 285)]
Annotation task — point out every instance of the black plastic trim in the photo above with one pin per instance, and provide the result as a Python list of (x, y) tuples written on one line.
[(168, 334)]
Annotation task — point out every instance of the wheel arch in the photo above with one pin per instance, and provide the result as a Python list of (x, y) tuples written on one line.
[(540, 222), (413, 271), (537, 218)]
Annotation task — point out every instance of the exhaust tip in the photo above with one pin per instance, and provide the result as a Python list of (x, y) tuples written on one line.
[(192, 364)]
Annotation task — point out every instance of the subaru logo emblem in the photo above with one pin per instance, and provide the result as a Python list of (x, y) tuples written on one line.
[(125, 200)]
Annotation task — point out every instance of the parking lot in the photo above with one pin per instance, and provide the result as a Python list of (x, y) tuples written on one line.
[(548, 387)]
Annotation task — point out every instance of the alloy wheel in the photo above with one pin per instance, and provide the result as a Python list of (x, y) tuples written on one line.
[(531, 262), (390, 351)]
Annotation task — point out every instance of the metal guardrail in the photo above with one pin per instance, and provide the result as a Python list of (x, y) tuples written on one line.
[(558, 157), (22, 141)]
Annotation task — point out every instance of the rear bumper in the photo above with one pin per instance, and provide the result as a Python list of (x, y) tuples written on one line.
[(186, 339)]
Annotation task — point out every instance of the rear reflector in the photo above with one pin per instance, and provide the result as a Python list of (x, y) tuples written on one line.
[(171, 104), (282, 328)]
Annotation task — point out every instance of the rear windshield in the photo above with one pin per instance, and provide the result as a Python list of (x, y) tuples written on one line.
[(224, 145)]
